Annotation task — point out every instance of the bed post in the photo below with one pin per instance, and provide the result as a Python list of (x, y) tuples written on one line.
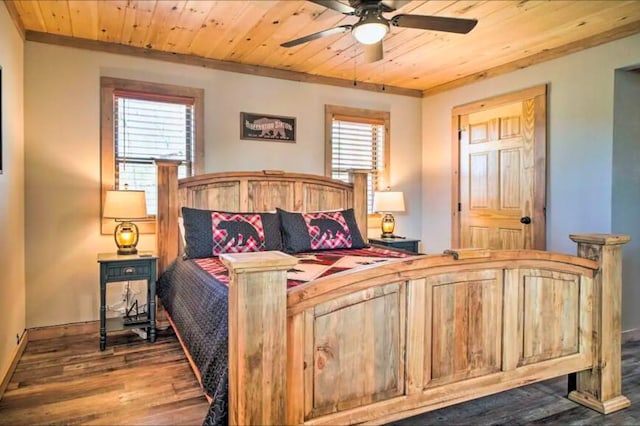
[(600, 387), (359, 180), (258, 336), (167, 217)]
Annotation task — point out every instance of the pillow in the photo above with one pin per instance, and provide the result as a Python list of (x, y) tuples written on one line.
[(319, 231), (210, 233)]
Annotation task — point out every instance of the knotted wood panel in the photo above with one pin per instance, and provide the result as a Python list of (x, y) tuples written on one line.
[(358, 342), (465, 324)]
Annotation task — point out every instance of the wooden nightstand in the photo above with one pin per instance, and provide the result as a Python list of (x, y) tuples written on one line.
[(407, 244), (119, 268)]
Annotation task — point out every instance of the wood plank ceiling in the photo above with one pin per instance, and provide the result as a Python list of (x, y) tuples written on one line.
[(245, 36)]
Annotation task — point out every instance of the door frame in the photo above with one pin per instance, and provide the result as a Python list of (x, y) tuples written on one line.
[(539, 94)]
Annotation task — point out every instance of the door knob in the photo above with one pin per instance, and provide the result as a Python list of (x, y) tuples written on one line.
[(525, 220)]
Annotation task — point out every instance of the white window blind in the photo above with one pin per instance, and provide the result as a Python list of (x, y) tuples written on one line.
[(149, 129), (358, 145)]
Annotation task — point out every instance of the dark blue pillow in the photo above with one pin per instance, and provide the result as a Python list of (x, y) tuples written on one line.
[(199, 233), (302, 232)]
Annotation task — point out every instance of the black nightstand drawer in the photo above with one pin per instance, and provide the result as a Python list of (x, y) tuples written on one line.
[(407, 244), (128, 271)]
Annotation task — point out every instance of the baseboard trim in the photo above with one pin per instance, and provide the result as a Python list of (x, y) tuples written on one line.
[(17, 354), (73, 329), (630, 335)]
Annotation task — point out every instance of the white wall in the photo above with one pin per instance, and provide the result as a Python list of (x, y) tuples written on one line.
[(12, 245), (579, 146), (626, 184), (62, 87)]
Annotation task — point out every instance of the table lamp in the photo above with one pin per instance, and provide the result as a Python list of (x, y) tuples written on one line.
[(124, 206), (387, 202)]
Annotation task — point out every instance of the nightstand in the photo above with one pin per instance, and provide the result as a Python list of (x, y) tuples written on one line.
[(119, 268), (407, 244)]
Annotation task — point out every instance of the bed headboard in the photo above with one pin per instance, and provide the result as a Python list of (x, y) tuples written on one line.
[(259, 191)]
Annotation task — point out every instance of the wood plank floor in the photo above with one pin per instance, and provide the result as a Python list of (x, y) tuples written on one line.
[(67, 380)]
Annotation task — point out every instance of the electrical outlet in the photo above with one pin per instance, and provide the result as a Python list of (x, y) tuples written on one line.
[(17, 339)]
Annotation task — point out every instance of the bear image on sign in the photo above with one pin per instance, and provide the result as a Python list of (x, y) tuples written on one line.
[(269, 127)]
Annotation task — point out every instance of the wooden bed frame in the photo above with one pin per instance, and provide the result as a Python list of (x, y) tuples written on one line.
[(408, 336)]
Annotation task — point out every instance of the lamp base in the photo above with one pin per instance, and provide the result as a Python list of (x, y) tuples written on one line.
[(387, 225), (127, 250), (126, 237)]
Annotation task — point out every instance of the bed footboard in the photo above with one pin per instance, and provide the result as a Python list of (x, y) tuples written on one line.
[(411, 336)]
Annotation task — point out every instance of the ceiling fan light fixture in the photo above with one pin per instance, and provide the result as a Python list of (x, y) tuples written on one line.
[(371, 29), (370, 33)]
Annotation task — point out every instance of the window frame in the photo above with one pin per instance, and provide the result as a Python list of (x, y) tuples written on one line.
[(360, 115), (108, 88)]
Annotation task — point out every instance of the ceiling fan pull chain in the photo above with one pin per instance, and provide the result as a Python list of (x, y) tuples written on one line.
[(383, 75), (355, 56)]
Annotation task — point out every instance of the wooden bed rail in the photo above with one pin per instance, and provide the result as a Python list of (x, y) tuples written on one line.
[(410, 336)]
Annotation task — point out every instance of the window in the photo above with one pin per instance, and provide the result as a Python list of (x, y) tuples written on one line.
[(358, 139), (142, 122)]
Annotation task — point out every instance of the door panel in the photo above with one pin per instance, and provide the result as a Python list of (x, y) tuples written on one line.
[(501, 173), (479, 181), (510, 180)]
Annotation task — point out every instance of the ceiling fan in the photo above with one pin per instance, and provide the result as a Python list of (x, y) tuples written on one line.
[(372, 26)]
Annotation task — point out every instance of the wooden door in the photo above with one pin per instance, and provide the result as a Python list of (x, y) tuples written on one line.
[(501, 167)]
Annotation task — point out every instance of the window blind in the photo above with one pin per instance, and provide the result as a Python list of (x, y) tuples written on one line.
[(358, 145), (145, 130)]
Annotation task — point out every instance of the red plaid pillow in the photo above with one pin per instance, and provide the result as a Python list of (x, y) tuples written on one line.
[(237, 233), (328, 230)]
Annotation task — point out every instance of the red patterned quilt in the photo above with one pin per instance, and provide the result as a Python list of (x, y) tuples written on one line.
[(314, 265)]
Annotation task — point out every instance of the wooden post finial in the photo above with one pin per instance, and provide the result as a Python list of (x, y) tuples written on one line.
[(600, 239)]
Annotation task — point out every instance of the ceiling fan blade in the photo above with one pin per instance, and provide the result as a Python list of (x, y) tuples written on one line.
[(373, 52), (434, 23), (325, 33), (335, 5)]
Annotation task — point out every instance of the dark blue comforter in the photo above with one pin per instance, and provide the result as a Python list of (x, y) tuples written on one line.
[(198, 307)]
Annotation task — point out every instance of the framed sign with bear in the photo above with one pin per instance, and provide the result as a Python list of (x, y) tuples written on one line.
[(263, 127)]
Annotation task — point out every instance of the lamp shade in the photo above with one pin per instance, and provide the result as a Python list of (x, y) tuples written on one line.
[(125, 205), (388, 201)]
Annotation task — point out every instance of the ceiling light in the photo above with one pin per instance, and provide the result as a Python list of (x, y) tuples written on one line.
[(370, 30)]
